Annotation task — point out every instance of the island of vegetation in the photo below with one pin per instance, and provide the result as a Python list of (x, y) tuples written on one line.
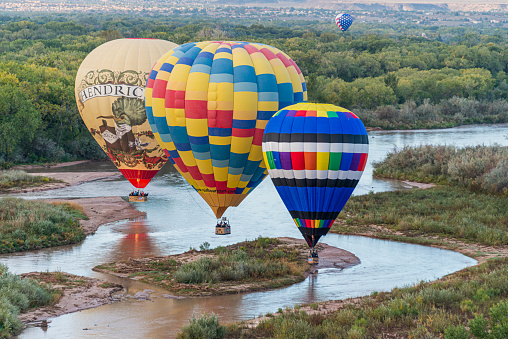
[(260, 264)]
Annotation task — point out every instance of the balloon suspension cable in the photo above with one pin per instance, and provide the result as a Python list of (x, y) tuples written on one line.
[(206, 212)]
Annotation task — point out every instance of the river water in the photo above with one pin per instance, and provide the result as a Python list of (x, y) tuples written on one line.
[(177, 219)]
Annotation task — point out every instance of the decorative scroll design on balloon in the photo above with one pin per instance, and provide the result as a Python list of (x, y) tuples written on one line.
[(106, 76)]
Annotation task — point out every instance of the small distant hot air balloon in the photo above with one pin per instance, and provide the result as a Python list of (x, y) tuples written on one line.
[(344, 20), (109, 93), (315, 155), (210, 102)]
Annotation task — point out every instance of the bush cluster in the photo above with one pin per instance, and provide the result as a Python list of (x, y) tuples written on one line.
[(450, 112), (478, 167), (18, 295), (206, 326), (27, 225), (231, 265)]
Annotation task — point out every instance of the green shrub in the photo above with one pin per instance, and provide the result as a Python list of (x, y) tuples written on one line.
[(206, 326), (18, 295)]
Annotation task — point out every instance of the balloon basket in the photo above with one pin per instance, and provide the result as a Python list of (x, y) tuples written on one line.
[(313, 261), (222, 230), (313, 257), (223, 227), (137, 198)]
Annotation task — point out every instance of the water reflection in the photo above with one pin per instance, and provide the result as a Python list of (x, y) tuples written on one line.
[(137, 242)]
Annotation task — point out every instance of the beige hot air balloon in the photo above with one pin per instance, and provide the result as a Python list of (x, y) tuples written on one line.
[(109, 93)]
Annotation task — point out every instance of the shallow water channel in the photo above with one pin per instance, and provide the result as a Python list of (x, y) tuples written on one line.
[(177, 219)]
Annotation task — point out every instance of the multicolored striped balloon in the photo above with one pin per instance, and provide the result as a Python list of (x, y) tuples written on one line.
[(210, 102), (315, 155)]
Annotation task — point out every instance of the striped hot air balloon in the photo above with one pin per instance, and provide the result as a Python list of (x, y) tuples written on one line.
[(315, 155), (109, 92), (210, 102)]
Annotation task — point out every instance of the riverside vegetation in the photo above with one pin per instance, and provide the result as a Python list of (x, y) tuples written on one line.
[(20, 179), (248, 266), (386, 73), (19, 295), (465, 215), (29, 225)]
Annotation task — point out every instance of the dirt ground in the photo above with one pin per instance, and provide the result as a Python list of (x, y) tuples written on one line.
[(103, 210), (78, 293)]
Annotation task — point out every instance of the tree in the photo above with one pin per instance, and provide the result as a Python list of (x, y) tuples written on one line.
[(19, 121)]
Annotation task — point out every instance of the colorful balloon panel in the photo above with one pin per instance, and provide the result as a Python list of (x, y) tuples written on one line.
[(344, 21), (211, 102), (315, 155), (109, 88)]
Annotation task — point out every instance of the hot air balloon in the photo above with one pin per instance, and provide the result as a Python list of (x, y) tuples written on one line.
[(315, 155), (211, 101), (344, 20), (109, 93)]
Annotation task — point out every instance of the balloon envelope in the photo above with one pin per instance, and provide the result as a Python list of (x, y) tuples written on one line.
[(210, 102), (109, 92), (315, 155), (344, 20)]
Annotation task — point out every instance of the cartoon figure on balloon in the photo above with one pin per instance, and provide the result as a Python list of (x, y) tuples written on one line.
[(121, 144)]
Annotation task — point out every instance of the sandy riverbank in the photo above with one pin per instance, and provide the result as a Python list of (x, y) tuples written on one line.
[(103, 210), (67, 178)]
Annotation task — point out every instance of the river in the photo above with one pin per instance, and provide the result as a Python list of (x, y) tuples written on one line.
[(177, 219)]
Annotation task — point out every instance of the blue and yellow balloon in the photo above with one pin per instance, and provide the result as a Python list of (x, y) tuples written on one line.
[(210, 102)]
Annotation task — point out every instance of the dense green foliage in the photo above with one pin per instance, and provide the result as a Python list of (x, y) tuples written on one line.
[(28, 225), (18, 295), (19, 179), (446, 211), (470, 304), (478, 167), (389, 75), (206, 326)]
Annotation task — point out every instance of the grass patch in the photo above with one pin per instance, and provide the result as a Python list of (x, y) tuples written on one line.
[(29, 225), (21, 179), (443, 211), (19, 295)]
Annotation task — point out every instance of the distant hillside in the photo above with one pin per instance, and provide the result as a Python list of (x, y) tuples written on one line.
[(417, 5)]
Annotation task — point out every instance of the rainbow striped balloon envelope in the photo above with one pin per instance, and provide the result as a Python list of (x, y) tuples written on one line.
[(315, 155), (210, 102)]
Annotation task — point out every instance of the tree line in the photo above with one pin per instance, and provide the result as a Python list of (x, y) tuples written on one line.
[(389, 75)]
